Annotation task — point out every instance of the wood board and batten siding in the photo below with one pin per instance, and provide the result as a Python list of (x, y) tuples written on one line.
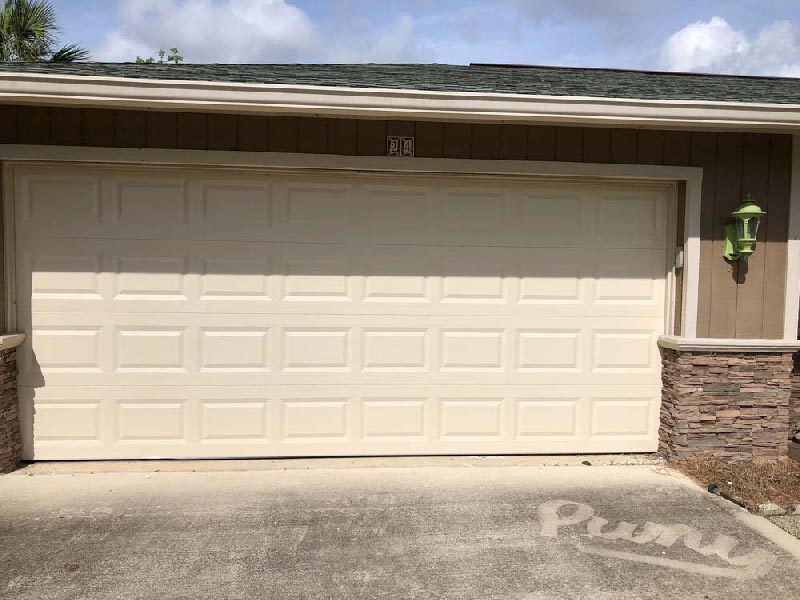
[(733, 302)]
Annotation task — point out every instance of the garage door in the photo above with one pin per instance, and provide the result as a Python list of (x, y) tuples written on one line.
[(191, 313)]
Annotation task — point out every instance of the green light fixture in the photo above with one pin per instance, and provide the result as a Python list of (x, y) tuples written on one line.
[(740, 236)]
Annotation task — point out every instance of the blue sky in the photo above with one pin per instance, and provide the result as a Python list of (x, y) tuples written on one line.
[(734, 36)]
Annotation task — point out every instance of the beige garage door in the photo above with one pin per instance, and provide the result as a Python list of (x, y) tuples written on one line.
[(189, 313)]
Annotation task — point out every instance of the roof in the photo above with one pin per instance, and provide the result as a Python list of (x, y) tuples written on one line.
[(503, 79)]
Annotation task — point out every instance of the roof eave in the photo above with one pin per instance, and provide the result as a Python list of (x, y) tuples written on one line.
[(160, 94)]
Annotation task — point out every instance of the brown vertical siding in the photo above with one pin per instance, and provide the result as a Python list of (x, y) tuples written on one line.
[(569, 144), (312, 136), (162, 130), (623, 146), (513, 142), (193, 131), (457, 140), (223, 132), (732, 303), (33, 125), (750, 275), (776, 226), (253, 133), (66, 126), (596, 145), (485, 142), (342, 137), (727, 197), (650, 147), (8, 125), (130, 129), (429, 142), (371, 138), (283, 134), (542, 143), (98, 127)]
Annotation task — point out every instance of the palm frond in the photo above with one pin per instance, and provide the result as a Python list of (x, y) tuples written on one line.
[(70, 53), (29, 32)]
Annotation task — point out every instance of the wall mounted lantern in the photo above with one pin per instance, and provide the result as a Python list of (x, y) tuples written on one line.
[(740, 236)]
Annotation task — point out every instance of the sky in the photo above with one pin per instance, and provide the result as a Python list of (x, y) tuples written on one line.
[(758, 37)]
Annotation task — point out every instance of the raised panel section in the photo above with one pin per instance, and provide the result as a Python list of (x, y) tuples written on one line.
[(151, 202), (318, 206), (466, 210), (468, 418), (465, 350), (627, 417), (235, 278), (230, 203), (234, 350), (547, 350), (65, 201), (615, 350), (317, 418), (151, 277), (393, 418), (472, 279), (394, 350), (150, 350), (316, 278), (549, 276), (546, 417), (552, 213), (316, 349), (392, 278), (65, 276), (233, 420), (149, 420), (626, 218), (67, 348), (397, 208), (67, 421), (628, 276)]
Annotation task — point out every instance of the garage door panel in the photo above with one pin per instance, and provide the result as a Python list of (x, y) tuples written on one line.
[(169, 276), (178, 421), (189, 313), (149, 205), (177, 349)]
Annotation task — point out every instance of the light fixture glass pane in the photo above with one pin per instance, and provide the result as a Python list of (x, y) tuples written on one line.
[(740, 228), (752, 227)]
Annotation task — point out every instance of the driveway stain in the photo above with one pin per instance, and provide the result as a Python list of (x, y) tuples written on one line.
[(751, 565)]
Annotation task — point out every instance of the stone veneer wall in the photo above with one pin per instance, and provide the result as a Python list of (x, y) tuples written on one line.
[(794, 403), (732, 407), (10, 437)]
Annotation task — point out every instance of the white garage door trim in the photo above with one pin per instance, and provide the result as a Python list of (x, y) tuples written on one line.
[(692, 176)]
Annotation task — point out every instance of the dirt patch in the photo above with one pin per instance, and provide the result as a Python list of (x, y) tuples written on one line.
[(750, 483)]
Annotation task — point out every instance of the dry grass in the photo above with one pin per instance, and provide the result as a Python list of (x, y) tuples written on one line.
[(750, 483)]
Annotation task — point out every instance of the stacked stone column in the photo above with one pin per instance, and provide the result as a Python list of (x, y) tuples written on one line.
[(728, 406), (10, 437)]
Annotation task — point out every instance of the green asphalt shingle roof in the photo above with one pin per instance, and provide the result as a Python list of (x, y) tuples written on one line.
[(533, 80)]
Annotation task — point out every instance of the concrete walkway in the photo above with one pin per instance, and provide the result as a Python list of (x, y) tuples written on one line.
[(419, 528)]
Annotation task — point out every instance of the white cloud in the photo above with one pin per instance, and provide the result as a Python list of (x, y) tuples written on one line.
[(361, 41), (242, 31), (715, 46), (233, 31)]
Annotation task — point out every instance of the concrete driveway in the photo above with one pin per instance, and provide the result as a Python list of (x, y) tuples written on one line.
[(421, 528)]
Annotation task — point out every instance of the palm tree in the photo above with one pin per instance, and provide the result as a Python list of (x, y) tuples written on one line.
[(28, 32)]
